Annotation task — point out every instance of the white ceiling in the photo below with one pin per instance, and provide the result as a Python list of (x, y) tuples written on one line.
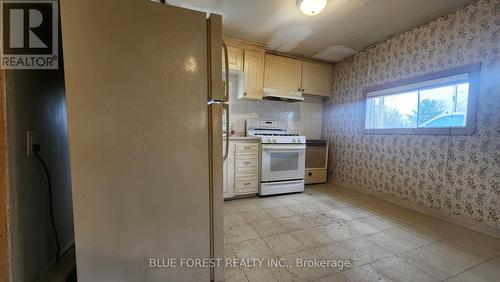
[(345, 27)]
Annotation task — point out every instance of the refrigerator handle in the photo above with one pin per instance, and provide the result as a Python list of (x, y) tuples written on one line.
[(226, 67), (225, 106)]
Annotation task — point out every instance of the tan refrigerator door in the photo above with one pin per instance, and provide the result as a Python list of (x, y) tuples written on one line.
[(215, 44), (217, 93), (136, 85), (217, 198)]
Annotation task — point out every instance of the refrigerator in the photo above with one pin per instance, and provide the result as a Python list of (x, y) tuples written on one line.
[(145, 100)]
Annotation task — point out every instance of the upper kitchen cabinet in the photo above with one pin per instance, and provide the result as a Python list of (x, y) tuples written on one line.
[(257, 74), (235, 58), (282, 73), (316, 78), (253, 75)]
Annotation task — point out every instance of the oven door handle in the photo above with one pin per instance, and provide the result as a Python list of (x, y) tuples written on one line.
[(281, 183), (284, 147)]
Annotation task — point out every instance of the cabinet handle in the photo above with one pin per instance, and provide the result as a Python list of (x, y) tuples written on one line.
[(244, 94), (247, 147), (225, 106), (246, 184), (310, 173), (247, 162)]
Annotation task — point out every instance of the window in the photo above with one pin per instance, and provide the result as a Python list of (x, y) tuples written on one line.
[(438, 103)]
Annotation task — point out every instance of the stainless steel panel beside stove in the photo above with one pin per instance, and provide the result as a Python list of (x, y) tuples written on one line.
[(316, 161)]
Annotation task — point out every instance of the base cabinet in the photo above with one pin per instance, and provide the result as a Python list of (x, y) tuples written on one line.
[(241, 168)]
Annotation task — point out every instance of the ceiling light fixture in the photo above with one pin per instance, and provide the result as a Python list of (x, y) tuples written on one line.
[(311, 7)]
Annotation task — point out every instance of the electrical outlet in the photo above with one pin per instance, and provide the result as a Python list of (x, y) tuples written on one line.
[(30, 140)]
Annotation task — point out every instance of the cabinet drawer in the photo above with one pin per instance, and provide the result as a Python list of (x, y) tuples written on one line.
[(246, 182), (244, 191), (247, 156), (246, 169), (246, 177), (247, 147), (246, 165), (315, 176)]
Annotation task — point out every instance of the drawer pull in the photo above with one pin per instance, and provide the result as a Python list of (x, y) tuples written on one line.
[(247, 163), (247, 183), (310, 173)]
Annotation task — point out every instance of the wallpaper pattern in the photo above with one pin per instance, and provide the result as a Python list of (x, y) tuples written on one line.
[(459, 175)]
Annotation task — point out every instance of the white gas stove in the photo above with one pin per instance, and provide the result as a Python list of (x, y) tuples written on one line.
[(282, 157)]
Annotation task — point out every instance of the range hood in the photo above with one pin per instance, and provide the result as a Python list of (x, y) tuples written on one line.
[(282, 95)]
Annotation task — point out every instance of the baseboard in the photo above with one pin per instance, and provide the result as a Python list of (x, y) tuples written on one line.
[(459, 220)]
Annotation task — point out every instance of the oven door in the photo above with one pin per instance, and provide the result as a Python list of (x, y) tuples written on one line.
[(282, 162)]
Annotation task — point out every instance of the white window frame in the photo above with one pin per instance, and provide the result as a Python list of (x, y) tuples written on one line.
[(469, 73)]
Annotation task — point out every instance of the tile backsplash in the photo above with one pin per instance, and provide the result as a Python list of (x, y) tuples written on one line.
[(302, 117)]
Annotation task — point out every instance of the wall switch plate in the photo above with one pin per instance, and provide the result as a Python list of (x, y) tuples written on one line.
[(30, 140)]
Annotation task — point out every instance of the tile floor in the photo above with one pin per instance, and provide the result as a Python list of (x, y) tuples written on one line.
[(383, 241)]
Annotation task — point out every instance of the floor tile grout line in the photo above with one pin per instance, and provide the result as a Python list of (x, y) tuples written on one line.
[(439, 241), (324, 225), (385, 216), (335, 242), (288, 270), (490, 259), (340, 222)]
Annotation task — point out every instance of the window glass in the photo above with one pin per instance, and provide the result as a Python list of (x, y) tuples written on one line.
[(430, 106), (392, 111)]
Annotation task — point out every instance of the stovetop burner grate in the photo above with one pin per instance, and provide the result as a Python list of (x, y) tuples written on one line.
[(275, 134)]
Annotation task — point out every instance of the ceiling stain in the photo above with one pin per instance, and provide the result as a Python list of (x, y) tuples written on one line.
[(335, 53), (287, 39), (342, 27)]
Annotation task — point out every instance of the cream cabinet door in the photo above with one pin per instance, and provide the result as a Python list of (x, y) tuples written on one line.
[(316, 78), (253, 73), (235, 58), (282, 73)]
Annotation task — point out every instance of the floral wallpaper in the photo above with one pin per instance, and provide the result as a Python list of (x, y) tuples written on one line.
[(459, 175)]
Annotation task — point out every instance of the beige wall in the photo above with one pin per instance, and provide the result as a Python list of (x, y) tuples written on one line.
[(458, 176)]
